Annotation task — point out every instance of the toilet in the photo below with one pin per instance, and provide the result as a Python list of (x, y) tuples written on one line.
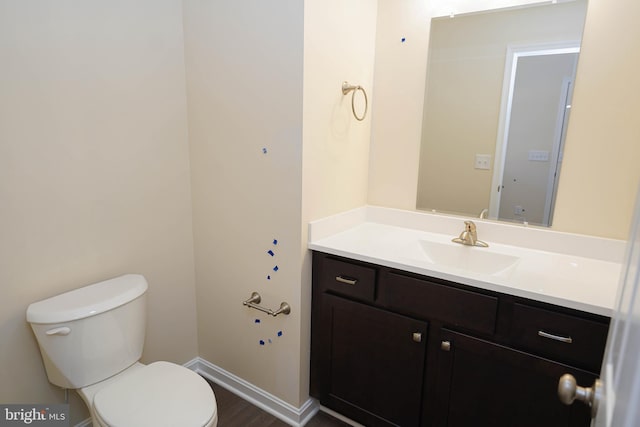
[(91, 340)]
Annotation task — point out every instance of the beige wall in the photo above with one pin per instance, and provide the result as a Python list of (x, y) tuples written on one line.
[(339, 44), (597, 193), (336, 145), (395, 142), (399, 80), (94, 172), (246, 93), (244, 84)]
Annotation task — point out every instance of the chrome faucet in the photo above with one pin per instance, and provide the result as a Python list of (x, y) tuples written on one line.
[(469, 236), (484, 213)]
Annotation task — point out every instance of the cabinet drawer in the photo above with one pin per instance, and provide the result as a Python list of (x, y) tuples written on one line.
[(430, 300), (566, 338), (349, 279)]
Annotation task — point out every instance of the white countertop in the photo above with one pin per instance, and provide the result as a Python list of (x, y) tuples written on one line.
[(577, 271)]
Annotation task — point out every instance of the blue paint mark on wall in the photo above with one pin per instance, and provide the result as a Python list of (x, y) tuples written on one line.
[(275, 268)]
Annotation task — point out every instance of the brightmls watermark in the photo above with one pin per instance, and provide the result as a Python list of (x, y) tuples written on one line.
[(55, 415)]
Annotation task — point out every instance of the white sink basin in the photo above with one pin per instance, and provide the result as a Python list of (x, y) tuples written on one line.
[(470, 258)]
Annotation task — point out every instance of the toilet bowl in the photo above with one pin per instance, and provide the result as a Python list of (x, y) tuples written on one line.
[(91, 340)]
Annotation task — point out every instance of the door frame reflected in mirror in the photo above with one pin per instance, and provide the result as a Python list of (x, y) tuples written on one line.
[(514, 54)]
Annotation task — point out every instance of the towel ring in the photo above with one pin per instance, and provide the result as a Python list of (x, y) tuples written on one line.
[(346, 88)]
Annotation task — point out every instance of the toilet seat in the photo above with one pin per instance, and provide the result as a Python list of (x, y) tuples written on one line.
[(159, 394)]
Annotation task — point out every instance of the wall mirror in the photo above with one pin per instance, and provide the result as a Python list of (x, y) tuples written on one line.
[(496, 106)]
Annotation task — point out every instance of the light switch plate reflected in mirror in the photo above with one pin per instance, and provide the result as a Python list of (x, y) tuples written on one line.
[(483, 161)]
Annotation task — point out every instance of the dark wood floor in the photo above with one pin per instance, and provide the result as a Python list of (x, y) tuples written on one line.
[(234, 411)]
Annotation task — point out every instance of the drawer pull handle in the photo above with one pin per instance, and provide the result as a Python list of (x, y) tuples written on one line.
[(544, 334), (346, 280), (445, 345)]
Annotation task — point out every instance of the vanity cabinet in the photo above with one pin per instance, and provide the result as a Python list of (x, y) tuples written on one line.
[(380, 351), (483, 383), (395, 348)]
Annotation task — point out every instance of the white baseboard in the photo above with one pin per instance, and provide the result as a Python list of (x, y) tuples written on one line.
[(277, 407), (341, 417)]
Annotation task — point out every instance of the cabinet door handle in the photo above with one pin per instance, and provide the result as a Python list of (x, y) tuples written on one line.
[(544, 334), (445, 345), (416, 337), (346, 280)]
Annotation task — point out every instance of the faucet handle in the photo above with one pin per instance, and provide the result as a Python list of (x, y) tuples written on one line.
[(469, 236)]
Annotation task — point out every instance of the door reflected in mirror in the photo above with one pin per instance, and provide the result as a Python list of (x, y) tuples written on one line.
[(498, 90), (531, 135)]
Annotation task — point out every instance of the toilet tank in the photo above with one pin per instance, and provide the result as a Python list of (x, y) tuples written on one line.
[(91, 333)]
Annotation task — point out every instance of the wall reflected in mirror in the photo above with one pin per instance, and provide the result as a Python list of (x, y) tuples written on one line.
[(496, 104)]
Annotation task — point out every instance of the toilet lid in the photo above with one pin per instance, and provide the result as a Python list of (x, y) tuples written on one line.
[(160, 394)]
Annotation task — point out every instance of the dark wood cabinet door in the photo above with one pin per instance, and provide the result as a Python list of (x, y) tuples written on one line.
[(480, 383), (374, 363)]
